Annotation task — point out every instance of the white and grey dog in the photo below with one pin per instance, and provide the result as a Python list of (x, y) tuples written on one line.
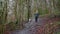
[(30, 20)]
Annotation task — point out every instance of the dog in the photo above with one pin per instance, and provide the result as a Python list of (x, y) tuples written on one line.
[(30, 20)]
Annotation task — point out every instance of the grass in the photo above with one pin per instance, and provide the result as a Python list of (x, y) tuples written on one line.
[(43, 12), (57, 22), (58, 32)]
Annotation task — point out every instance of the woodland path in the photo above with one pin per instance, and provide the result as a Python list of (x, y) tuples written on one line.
[(35, 27)]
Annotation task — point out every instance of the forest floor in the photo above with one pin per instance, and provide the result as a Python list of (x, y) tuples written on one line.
[(34, 27)]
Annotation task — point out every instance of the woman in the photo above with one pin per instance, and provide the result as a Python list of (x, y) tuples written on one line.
[(36, 16)]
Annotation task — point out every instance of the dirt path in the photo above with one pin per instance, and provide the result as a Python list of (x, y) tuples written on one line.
[(35, 28)]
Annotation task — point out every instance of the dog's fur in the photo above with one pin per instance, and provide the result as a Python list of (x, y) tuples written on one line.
[(30, 20)]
